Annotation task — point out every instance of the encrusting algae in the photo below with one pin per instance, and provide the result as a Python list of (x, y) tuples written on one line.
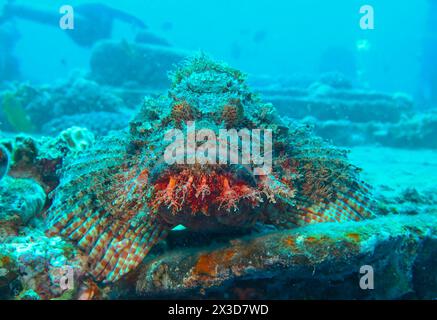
[(118, 198)]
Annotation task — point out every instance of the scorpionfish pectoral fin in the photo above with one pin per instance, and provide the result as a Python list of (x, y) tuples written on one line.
[(342, 207), (326, 187), (113, 246), (99, 204), (339, 207)]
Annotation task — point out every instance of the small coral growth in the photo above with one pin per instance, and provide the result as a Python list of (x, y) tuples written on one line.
[(77, 139)]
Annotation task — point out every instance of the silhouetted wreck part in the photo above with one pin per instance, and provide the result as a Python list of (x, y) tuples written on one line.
[(417, 131), (281, 82), (133, 65), (327, 103), (313, 262)]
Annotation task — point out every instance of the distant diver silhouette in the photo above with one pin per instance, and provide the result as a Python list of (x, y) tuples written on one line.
[(93, 21)]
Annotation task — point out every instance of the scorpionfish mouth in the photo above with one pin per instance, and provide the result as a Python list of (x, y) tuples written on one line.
[(208, 190)]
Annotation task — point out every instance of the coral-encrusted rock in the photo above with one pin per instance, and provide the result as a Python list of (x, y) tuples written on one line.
[(77, 139), (40, 157), (318, 261), (41, 104), (34, 266), (100, 123), (9, 283), (4, 161), (20, 200), (416, 131)]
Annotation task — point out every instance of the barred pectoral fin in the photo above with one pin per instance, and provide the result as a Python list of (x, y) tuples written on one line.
[(343, 208), (114, 245), (327, 187), (99, 204), (125, 253)]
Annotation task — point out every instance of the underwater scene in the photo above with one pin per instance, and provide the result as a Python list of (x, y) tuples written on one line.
[(235, 150)]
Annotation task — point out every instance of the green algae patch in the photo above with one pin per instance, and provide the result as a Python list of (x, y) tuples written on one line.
[(16, 114)]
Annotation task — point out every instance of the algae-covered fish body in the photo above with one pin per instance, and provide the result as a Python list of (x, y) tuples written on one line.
[(122, 195)]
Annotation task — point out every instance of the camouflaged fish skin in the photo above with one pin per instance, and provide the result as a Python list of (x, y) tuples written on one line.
[(120, 197)]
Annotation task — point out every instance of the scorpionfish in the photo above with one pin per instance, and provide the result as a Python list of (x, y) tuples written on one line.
[(121, 196)]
